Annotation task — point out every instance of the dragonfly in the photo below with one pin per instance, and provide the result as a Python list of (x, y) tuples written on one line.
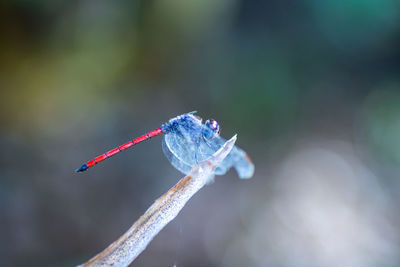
[(188, 141)]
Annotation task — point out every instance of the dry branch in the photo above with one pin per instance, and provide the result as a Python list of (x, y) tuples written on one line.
[(124, 250)]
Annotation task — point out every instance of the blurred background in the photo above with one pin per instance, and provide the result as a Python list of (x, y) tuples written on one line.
[(311, 87)]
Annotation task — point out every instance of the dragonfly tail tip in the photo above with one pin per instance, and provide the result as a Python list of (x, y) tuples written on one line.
[(84, 167)]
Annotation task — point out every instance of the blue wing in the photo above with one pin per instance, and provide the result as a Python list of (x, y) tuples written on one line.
[(184, 146)]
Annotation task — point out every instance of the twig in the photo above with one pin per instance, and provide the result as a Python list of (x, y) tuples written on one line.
[(124, 250)]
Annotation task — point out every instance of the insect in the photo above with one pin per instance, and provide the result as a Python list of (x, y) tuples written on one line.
[(187, 141)]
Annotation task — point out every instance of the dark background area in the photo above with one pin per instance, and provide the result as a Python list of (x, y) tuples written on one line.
[(312, 88)]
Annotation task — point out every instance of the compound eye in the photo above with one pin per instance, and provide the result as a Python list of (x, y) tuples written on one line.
[(213, 126)]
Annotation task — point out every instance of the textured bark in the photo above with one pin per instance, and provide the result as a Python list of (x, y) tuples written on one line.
[(125, 250)]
